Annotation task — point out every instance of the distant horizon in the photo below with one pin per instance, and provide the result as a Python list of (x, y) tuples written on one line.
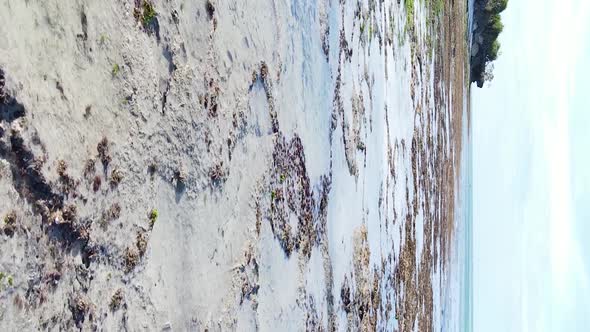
[(531, 179)]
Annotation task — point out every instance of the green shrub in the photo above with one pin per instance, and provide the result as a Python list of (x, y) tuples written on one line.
[(153, 216), (494, 51), (490, 26), (496, 6), (115, 69)]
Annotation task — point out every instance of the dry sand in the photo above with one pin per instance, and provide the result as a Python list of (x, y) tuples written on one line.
[(228, 165)]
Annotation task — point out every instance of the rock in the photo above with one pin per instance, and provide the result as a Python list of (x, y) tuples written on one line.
[(2, 83), (475, 50), (167, 326)]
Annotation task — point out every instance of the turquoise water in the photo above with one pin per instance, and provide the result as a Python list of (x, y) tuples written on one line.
[(467, 208), (462, 264), (457, 311), (466, 282)]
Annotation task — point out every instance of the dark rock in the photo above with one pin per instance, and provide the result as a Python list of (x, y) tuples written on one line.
[(210, 10)]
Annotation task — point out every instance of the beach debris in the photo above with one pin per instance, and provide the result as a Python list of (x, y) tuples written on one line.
[(60, 88), (10, 223), (153, 217), (103, 152), (130, 259), (141, 242), (80, 307), (96, 183), (116, 300), (116, 177), (69, 213), (217, 174), (152, 168), (52, 278), (210, 99), (145, 13), (90, 167), (84, 23), (113, 213), (62, 167), (181, 174), (87, 111), (210, 9), (345, 295), (3, 94)]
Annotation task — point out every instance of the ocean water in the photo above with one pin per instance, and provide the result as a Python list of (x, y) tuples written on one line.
[(465, 234), (457, 310), (466, 185)]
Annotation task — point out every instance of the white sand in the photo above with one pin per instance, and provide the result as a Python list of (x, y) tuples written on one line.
[(198, 272)]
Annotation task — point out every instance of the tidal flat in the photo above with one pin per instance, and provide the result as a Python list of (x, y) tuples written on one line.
[(232, 165)]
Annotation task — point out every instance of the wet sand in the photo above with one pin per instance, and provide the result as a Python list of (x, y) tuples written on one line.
[(229, 166)]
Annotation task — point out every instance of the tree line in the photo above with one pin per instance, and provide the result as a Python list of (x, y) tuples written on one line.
[(485, 48)]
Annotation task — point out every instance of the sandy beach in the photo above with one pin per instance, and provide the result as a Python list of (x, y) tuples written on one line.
[(230, 165)]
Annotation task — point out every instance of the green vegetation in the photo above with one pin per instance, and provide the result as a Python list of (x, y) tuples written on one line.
[(153, 216), (437, 7), (10, 218), (9, 280), (116, 300), (149, 13), (103, 38), (496, 6), (409, 6), (435, 10), (486, 46), (115, 70), (494, 50)]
